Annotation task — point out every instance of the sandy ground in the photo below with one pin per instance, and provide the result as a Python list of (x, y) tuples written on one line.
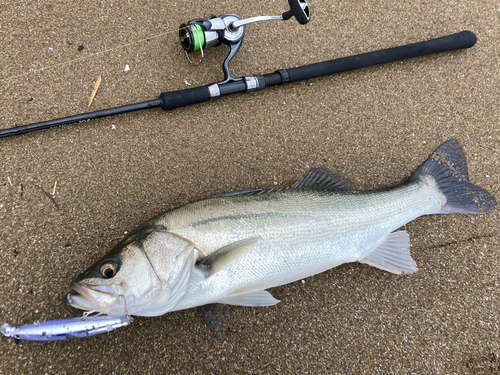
[(375, 126)]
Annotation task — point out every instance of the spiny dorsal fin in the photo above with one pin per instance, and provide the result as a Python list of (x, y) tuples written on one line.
[(317, 178), (324, 179), (239, 193)]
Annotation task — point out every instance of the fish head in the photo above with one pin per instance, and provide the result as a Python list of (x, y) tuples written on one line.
[(145, 274)]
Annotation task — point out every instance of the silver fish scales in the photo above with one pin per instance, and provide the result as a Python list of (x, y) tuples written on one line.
[(232, 247)]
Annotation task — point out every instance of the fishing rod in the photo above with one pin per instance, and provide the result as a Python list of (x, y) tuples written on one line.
[(229, 29)]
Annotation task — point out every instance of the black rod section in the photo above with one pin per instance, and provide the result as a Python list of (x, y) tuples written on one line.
[(464, 39), (82, 117)]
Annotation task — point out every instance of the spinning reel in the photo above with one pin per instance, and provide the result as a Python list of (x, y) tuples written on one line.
[(229, 29)]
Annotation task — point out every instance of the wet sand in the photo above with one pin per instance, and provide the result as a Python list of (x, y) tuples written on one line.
[(375, 126)]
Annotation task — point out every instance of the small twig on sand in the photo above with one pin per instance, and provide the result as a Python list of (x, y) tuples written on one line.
[(94, 91)]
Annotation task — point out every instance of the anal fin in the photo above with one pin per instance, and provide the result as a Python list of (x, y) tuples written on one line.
[(393, 255)]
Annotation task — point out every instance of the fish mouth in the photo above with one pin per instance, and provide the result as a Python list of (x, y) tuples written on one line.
[(101, 298)]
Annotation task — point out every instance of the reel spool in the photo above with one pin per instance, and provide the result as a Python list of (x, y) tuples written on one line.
[(229, 29)]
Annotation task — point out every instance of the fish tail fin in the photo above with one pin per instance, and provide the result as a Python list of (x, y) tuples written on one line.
[(448, 166)]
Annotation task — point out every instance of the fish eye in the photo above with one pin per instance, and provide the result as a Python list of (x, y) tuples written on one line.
[(108, 270)]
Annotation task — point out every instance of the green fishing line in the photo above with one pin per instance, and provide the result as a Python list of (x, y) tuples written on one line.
[(199, 38)]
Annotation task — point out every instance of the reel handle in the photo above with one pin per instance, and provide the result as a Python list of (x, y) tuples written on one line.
[(298, 9)]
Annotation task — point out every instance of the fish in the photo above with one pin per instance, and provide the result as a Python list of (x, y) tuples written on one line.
[(231, 248)]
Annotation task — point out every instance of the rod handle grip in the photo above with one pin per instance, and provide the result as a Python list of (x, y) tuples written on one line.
[(464, 39), (182, 98)]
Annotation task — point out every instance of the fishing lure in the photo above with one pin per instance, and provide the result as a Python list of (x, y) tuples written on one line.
[(66, 329)]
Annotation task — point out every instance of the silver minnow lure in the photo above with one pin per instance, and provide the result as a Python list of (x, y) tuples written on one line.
[(66, 329)]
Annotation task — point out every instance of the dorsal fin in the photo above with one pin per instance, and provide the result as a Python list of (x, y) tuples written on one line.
[(239, 193), (323, 179), (316, 178)]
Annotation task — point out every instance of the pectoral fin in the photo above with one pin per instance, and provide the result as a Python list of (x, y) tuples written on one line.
[(226, 254), (251, 296), (393, 255)]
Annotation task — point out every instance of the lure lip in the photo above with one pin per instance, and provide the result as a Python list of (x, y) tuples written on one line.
[(65, 329), (8, 330)]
